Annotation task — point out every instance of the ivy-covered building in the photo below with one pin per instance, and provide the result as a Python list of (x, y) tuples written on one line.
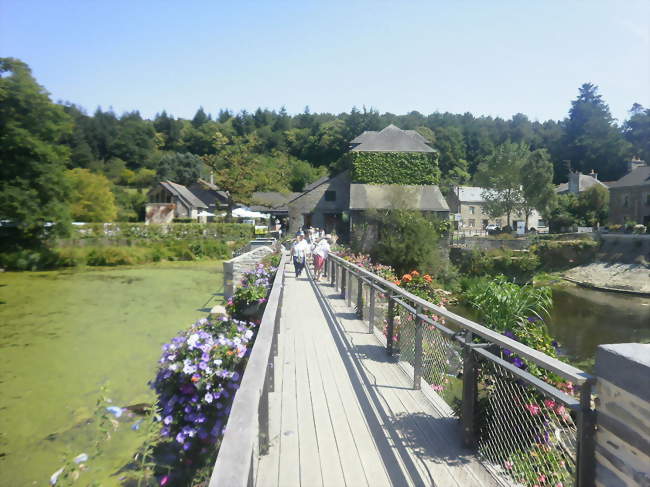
[(381, 164)]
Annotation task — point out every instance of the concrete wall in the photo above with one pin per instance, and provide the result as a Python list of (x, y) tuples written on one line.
[(622, 450), (637, 208), (234, 269), (313, 202)]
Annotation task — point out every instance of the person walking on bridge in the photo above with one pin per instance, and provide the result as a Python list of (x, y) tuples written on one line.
[(321, 251), (299, 252)]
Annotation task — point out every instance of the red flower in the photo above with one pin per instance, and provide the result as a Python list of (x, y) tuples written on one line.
[(427, 278), (398, 282), (415, 273), (407, 277)]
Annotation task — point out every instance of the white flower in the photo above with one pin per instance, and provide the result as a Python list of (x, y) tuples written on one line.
[(173, 367)]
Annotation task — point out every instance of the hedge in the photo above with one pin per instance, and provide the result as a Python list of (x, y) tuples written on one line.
[(394, 168), (172, 231)]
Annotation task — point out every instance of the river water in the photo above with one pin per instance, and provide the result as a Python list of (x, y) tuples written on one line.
[(63, 334), (583, 318)]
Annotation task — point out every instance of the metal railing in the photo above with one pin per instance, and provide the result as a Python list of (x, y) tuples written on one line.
[(529, 416), (247, 430)]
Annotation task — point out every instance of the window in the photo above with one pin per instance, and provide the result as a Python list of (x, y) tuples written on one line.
[(498, 222), (472, 210), (472, 222), (541, 223), (330, 195)]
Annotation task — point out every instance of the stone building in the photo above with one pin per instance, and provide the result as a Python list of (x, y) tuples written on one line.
[(169, 200), (579, 182), (629, 197), (468, 202)]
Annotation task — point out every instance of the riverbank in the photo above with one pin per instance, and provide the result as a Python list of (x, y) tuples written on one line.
[(66, 333), (629, 278)]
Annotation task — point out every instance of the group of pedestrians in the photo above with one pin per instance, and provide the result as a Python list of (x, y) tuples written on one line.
[(315, 243)]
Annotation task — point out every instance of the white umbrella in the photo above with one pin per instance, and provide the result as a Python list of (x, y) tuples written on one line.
[(246, 213), (204, 213)]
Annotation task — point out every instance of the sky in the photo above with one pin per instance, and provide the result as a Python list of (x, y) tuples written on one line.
[(487, 57)]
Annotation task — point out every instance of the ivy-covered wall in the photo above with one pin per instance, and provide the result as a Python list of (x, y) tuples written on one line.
[(394, 168)]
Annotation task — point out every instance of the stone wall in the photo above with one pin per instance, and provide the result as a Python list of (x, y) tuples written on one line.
[(622, 450), (485, 243), (234, 269)]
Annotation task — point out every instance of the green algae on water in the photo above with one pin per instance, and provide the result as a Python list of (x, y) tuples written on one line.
[(63, 334)]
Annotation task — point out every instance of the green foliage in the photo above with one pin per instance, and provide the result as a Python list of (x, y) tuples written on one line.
[(406, 240), (538, 191), (91, 198), (33, 189), (637, 131), (180, 168), (504, 305), (560, 254), (514, 265), (394, 168), (593, 205)]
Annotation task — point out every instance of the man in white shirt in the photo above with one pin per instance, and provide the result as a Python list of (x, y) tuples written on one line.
[(299, 252)]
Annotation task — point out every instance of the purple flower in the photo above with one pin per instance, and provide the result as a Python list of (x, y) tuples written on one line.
[(208, 398), (168, 420), (507, 352), (555, 344), (509, 334), (180, 438), (517, 362), (533, 319)]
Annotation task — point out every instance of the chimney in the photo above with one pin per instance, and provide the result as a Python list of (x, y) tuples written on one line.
[(634, 163), (211, 177), (594, 174)]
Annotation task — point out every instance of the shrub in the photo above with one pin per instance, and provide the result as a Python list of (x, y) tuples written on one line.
[(173, 231), (558, 254), (250, 297), (112, 256)]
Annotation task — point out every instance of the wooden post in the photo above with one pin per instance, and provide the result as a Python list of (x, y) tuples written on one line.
[(348, 285), (343, 281), (586, 471), (417, 359), (390, 324), (371, 311), (468, 409)]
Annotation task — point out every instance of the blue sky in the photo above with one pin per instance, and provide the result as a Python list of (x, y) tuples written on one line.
[(493, 57)]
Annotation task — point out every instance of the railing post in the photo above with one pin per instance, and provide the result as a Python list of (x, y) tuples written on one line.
[(371, 310), (348, 285), (344, 272), (360, 298), (470, 394), (417, 359), (390, 322), (585, 473), (333, 273)]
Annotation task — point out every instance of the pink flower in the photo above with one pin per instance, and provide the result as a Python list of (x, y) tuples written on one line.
[(533, 409), (559, 484), (508, 464), (549, 403), (541, 479), (437, 388), (164, 480)]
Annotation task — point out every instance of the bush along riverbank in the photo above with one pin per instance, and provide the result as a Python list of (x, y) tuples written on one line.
[(142, 253), (198, 375)]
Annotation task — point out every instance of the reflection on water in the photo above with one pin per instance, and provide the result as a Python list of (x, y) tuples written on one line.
[(583, 318)]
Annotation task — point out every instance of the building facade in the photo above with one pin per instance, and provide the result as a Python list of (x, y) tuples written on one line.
[(468, 206), (629, 197)]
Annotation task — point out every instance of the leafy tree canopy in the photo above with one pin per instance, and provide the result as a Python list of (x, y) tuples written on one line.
[(91, 197)]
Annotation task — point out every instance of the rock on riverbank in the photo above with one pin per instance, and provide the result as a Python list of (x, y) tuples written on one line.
[(616, 276)]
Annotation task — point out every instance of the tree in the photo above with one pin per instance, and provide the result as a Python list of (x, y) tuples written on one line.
[(452, 156), (200, 118), (235, 167), (592, 138), (538, 191), (33, 188), (637, 131), (500, 175), (91, 197), (181, 168), (593, 205)]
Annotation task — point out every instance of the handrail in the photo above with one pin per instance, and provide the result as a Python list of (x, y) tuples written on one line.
[(239, 448), (552, 364)]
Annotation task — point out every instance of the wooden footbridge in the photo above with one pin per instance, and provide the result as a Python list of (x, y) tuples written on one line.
[(328, 400)]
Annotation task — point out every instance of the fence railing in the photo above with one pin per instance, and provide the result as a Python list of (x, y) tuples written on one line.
[(247, 430), (528, 415)]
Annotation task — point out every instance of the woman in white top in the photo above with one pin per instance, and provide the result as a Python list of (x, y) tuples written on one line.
[(321, 251), (299, 252)]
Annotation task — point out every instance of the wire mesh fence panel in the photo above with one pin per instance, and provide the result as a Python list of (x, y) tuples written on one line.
[(526, 435), (381, 313), (404, 332), (442, 363), (352, 297)]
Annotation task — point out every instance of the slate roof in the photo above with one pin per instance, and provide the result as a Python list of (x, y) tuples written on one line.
[(396, 196), (316, 183), (390, 139), (183, 193), (209, 193), (264, 201), (639, 176)]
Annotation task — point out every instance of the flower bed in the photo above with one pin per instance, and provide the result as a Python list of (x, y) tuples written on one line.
[(199, 372)]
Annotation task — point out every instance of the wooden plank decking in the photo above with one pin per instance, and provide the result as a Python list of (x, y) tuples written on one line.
[(344, 414)]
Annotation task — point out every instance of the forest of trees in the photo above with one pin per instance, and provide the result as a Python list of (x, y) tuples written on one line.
[(289, 150)]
